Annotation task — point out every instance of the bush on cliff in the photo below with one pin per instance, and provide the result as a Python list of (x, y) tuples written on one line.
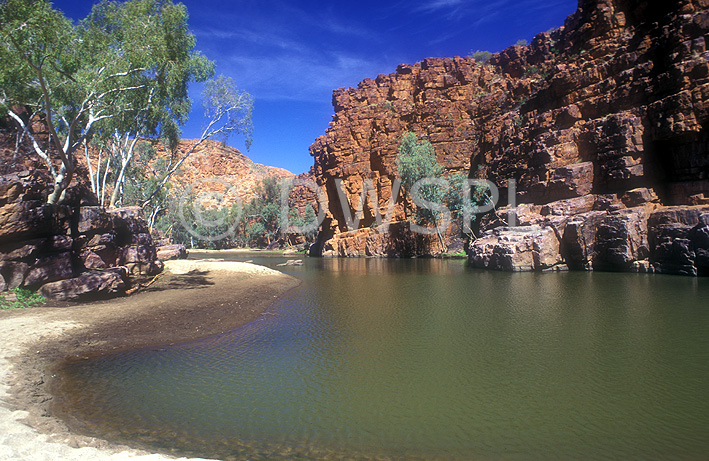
[(417, 162), (481, 56)]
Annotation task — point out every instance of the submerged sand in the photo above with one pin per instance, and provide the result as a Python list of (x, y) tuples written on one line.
[(192, 299)]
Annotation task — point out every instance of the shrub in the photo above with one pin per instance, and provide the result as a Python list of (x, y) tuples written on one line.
[(23, 298), (531, 70), (481, 56)]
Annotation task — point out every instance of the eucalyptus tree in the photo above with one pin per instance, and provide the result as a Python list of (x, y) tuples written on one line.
[(422, 177), (122, 72), (227, 110)]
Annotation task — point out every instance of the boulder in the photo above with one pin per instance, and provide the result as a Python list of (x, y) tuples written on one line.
[(91, 260), (699, 239), (128, 222), (149, 268), (46, 244), (579, 239), (675, 234), (32, 219), (639, 196), (58, 244), (140, 260), (107, 239), (564, 183), (620, 240), (21, 187), (31, 249), (13, 273), (516, 249), (20, 250), (137, 254), (93, 220), (92, 284), (141, 239), (99, 257), (50, 268), (168, 252), (569, 207)]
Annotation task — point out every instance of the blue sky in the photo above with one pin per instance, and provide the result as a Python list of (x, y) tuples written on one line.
[(290, 55)]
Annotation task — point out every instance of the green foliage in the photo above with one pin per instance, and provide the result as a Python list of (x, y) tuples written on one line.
[(457, 197), (125, 68), (416, 161), (24, 298), (522, 42), (228, 106), (211, 228), (309, 216), (259, 225), (255, 231), (531, 70), (481, 56), (454, 196)]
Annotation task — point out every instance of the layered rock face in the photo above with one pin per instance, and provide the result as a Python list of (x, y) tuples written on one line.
[(213, 159), (71, 251), (599, 124)]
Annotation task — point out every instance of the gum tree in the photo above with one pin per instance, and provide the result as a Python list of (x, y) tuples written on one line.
[(228, 111), (122, 72), (422, 177)]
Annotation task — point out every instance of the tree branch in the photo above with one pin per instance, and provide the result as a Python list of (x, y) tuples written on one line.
[(43, 155)]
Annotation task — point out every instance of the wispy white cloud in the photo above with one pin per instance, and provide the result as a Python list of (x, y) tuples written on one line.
[(293, 54), (296, 77), (439, 4)]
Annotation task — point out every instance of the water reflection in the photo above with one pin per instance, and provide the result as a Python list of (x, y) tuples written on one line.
[(426, 358)]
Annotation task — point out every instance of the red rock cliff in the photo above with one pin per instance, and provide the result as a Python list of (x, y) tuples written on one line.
[(605, 113)]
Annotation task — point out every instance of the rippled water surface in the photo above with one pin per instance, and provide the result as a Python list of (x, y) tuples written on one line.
[(425, 358)]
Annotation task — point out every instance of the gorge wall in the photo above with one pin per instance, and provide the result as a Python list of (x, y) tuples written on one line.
[(600, 123)]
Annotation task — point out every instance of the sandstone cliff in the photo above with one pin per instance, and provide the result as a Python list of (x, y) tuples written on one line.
[(598, 123), (213, 159)]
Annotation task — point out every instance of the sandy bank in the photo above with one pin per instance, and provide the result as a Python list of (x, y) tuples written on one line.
[(192, 299)]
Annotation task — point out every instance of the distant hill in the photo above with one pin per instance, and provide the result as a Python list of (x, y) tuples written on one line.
[(214, 159)]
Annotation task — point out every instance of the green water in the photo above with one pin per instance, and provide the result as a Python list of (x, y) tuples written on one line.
[(425, 359)]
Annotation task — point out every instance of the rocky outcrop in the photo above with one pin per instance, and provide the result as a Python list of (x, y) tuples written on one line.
[(77, 250), (213, 159), (518, 249), (668, 240), (679, 237), (91, 284), (597, 123)]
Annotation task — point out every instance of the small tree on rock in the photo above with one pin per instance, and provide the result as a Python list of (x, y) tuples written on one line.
[(417, 162)]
